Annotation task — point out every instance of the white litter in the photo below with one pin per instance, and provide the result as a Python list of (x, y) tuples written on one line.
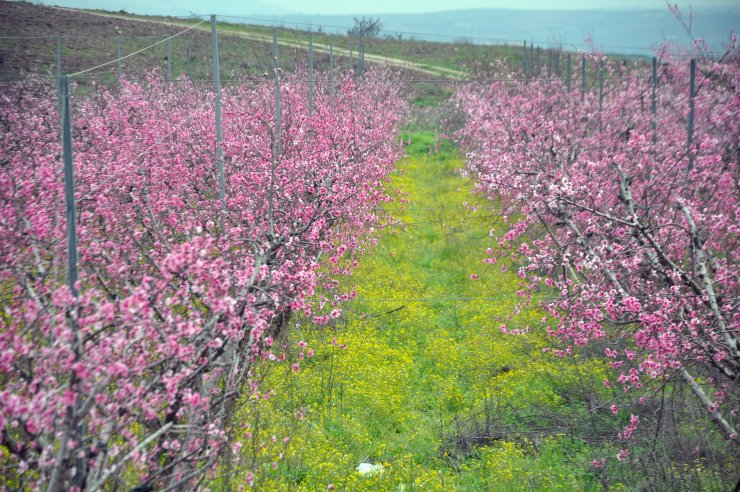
[(369, 468)]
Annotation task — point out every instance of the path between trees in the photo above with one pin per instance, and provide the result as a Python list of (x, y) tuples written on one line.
[(417, 373)]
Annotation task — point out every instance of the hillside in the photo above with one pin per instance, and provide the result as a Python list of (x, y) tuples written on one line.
[(28, 42), (634, 28)]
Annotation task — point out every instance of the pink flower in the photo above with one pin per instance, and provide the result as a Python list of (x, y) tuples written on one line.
[(632, 305), (68, 398)]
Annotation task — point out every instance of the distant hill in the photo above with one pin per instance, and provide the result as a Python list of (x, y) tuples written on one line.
[(633, 31), (617, 31), (175, 8)]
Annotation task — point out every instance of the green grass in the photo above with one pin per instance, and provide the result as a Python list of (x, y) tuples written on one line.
[(417, 379), (429, 94)]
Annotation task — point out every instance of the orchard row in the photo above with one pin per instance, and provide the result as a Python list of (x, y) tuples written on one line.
[(180, 293), (627, 222)]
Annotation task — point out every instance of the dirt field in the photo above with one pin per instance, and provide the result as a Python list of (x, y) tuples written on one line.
[(28, 37)]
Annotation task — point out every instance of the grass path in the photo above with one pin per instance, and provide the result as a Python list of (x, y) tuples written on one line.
[(416, 374)]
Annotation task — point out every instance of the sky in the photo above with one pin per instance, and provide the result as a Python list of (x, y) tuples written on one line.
[(410, 6)]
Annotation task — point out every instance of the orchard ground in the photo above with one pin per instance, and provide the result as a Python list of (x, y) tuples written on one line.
[(417, 375)]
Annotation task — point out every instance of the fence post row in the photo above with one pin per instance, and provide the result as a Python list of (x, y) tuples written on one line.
[(217, 102), (310, 73), (278, 122), (690, 125)]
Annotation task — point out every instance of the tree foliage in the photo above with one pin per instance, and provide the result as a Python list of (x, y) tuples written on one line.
[(367, 27)]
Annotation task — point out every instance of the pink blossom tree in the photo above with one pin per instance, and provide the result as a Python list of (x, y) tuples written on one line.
[(633, 233), (179, 293)]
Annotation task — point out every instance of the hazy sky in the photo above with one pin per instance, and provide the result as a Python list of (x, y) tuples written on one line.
[(407, 6)]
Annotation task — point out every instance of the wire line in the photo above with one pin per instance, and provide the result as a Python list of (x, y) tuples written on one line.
[(136, 52)]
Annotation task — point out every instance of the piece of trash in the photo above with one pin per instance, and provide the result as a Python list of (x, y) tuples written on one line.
[(369, 468)]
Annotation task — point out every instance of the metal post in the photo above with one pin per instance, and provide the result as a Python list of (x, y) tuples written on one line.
[(351, 48), (278, 122), (537, 61), (58, 70), (169, 50), (71, 218), (654, 105), (331, 67), (59, 55), (568, 72), (524, 59), (187, 60), (557, 64), (583, 78), (217, 99), (361, 54), (118, 56), (692, 95), (549, 63), (69, 186), (310, 73), (601, 93), (531, 59)]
